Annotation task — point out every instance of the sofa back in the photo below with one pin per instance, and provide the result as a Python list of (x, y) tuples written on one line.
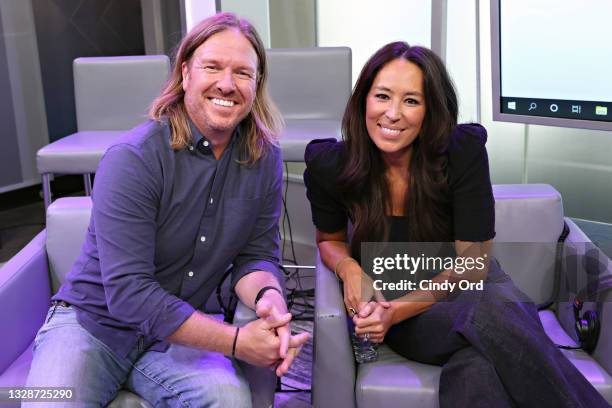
[(114, 93), (310, 83), (67, 222), (528, 223)]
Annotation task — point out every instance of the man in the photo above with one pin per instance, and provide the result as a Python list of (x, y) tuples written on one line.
[(183, 196)]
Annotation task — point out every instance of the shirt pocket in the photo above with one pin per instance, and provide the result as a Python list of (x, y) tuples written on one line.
[(239, 219)]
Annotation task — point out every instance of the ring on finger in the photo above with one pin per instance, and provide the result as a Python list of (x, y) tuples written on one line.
[(352, 311), (366, 336)]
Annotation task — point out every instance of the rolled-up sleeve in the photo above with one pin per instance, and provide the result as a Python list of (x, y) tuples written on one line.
[(126, 196), (262, 250)]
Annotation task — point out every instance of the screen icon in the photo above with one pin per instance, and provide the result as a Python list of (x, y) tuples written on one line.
[(554, 107), (576, 108), (601, 110), (512, 105), (533, 106)]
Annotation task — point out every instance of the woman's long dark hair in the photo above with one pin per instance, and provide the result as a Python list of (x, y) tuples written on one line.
[(363, 182)]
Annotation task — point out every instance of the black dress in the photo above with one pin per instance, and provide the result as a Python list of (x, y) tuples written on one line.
[(491, 344)]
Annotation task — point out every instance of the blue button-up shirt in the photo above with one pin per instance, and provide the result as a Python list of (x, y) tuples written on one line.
[(164, 228)]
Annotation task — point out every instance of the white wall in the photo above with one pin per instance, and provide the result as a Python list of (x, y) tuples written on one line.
[(461, 55), (197, 10), (365, 25), (256, 11)]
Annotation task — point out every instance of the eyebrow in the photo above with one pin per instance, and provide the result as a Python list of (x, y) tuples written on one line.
[(206, 60), (385, 89)]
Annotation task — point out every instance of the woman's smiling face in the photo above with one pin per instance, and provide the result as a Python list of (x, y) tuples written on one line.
[(395, 108)]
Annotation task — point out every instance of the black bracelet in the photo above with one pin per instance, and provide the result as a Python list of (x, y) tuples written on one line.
[(263, 290), (235, 341)]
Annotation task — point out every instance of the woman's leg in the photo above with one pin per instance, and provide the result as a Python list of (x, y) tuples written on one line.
[(469, 380), (531, 367)]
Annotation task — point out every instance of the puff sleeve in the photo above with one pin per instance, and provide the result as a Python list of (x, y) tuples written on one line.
[(470, 184), (324, 160)]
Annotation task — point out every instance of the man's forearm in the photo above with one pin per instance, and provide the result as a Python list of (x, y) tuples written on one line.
[(249, 285), (206, 333)]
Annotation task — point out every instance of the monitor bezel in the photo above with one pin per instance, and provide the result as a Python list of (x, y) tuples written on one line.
[(496, 88)]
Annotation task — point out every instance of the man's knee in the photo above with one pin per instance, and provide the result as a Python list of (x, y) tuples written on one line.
[(189, 377), (66, 355)]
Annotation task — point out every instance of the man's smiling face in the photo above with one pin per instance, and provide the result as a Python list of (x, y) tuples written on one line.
[(220, 82)]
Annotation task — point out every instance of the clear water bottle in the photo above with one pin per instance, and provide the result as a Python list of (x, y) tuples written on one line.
[(365, 351)]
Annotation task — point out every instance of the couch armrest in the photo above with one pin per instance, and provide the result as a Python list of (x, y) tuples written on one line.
[(24, 295), (603, 351), (577, 244), (262, 380), (333, 371)]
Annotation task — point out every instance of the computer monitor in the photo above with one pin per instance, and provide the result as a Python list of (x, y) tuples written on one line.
[(552, 62)]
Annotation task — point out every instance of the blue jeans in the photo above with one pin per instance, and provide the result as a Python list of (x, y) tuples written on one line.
[(493, 351), (67, 355)]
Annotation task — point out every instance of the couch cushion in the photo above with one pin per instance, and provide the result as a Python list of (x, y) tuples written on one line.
[(77, 153), (393, 381), (67, 222), (299, 132), (528, 223)]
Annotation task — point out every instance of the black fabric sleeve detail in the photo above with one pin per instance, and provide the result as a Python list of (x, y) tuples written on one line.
[(470, 184), (323, 159)]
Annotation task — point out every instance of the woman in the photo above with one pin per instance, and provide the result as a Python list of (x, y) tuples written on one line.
[(407, 172)]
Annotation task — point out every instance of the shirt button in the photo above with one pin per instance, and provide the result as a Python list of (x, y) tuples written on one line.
[(206, 143), (211, 200), (191, 148), (190, 274), (203, 238)]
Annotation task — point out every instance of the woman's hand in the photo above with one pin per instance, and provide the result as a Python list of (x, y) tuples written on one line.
[(359, 290), (374, 319), (356, 284)]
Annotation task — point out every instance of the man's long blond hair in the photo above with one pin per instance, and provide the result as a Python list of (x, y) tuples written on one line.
[(262, 125)]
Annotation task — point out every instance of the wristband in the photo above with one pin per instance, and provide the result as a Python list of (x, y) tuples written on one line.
[(263, 290), (235, 341)]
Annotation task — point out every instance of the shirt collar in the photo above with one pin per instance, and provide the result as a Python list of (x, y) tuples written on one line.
[(197, 136)]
